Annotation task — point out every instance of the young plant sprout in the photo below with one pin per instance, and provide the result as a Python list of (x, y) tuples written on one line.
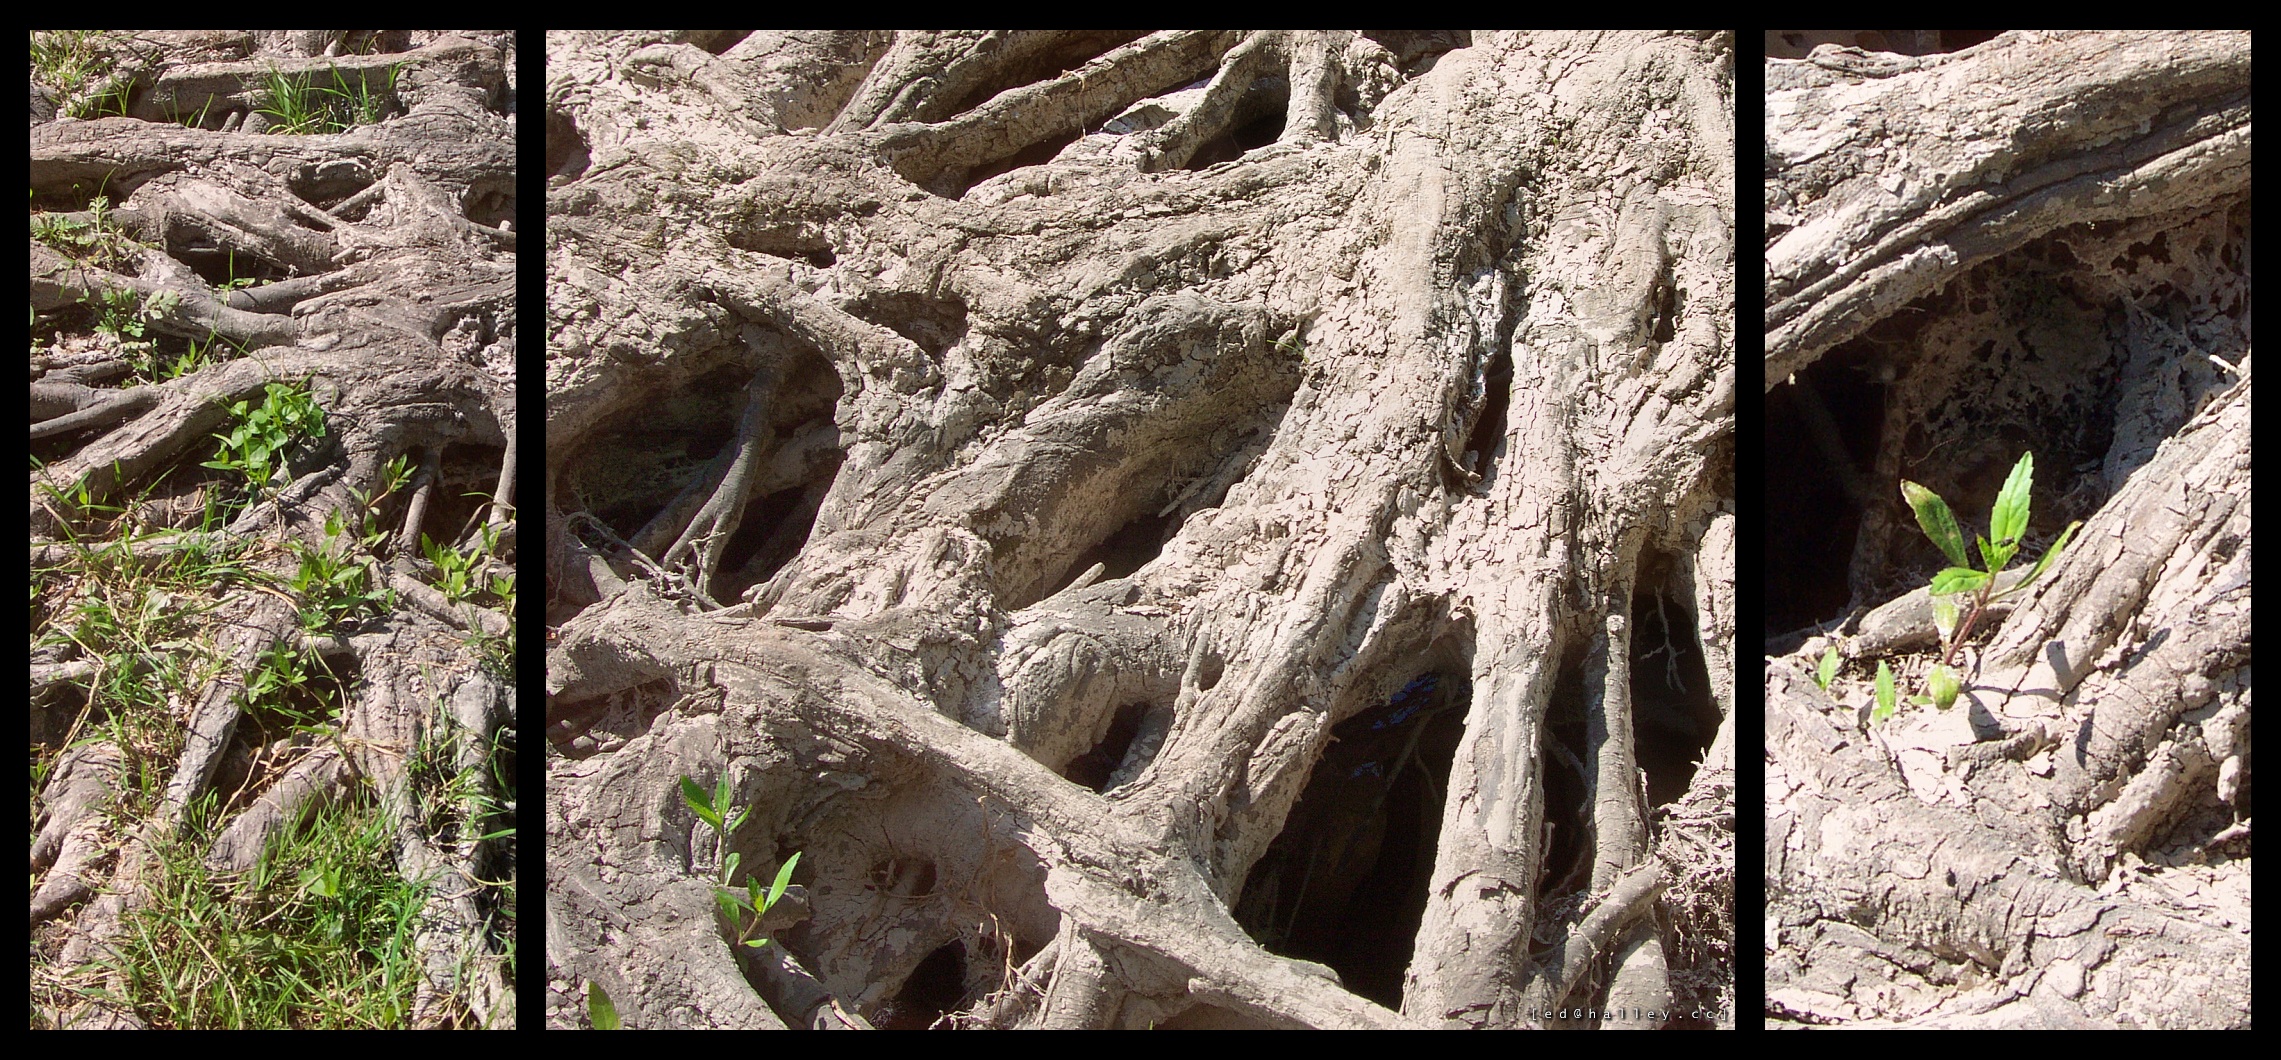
[(2007, 523)]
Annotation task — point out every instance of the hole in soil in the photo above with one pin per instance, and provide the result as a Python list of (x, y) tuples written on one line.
[(1036, 154), (1210, 1018), (1415, 50), (716, 41), (325, 186), (467, 475), (1209, 670), (1257, 123), (1565, 746), (579, 728), (803, 241), (489, 204), (1124, 551), (220, 265), (1068, 53), (637, 461), (1093, 768), (567, 153), (934, 324), (1673, 715), (776, 524), (773, 531), (1489, 431), (931, 991), (1812, 519), (1344, 884)]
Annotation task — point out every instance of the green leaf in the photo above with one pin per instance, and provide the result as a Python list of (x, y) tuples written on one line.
[(2011, 517), (731, 903), (1993, 557), (700, 802), (599, 1010), (783, 876), (758, 943), (1885, 695), (1944, 686), (721, 804), (2049, 555), (1938, 522), (1828, 671), (1953, 580), (694, 795), (729, 867)]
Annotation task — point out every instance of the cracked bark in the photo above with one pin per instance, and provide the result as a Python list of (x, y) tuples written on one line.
[(1206, 388)]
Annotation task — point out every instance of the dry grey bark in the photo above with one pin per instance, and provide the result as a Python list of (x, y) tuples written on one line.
[(394, 251), (2040, 243), (924, 407)]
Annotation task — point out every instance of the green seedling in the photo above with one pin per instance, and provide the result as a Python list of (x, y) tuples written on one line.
[(744, 906), (336, 585), (342, 578), (1887, 698), (1977, 588), (126, 318), (456, 571), (1827, 671), (2007, 524), (99, 239), (110, 101)]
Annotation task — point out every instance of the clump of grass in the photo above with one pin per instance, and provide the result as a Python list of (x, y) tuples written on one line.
[(72, 60), (299, 105), (319, 935), (67, 59)]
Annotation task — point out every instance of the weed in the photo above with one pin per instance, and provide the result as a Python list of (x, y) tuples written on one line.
[(190, 121), (335, 586), (457, 572), (2008, 523), (331, 578), (746, 906), (126, 317), (68, 59), (100, 239), (599, 1011), (256, 443), (196, 357), (463, 574), (285, 681), (110, 102)]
